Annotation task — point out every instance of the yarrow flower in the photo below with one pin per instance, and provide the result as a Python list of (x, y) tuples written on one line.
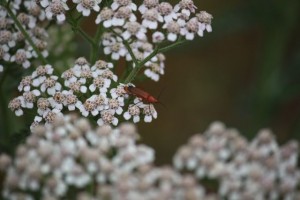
[(254, 169), (55, 8), (44, 91), (85, 6), (69, 153)]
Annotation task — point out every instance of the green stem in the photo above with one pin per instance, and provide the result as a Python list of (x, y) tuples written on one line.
[(96, 46), (77, 28), (137, 68), (83, 34), (26, 35), (136, 62)]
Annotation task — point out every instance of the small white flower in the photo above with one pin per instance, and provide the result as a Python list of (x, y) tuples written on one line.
[(107, 117), (122, 15), (6, 39), (69, 77), (4, 53), (43, 105), (118, 93), (158, 37), (57, 8), (191, 28), (205, 20), (83, 75), (108, 74), (151, 18), (166, 10), (25, 84), (123, 3), (29, 98), (148, 4), (185, 7), (81, 64), (154, 71), (100, 101), (15, 106), (105, 16), (44, 3), (27, 20), (88, 107), (149, 112), (21, 57), (134, 28), (50, 116), (116, 50), (71, 101), (101, 84), (51, 85), (57, 100), (133, 111), (116, 105), (39, 75), (85, 6), (173, 29), (35, 10), (99, 67), (77, 87)]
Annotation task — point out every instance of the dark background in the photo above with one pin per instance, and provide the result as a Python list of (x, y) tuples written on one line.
[(246, 73)]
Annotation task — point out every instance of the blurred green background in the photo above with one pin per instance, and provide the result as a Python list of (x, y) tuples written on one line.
[(246, 73)]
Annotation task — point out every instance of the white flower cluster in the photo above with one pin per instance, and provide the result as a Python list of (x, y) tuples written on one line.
[(14, 48), (71, 160), (69, 156), (245, 170), (160, 21), (182, 20), (128, 25), (91, 90)]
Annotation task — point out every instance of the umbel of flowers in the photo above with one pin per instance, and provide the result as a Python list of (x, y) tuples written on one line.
[(71, 160), (93, 91), (257, 169)]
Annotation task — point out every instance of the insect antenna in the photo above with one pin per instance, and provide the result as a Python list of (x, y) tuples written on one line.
[(159, 95)]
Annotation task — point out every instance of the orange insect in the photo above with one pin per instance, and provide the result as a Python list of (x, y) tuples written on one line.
[(145, 96)]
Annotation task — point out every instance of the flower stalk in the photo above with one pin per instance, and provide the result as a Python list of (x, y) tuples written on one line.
[(137, 68)]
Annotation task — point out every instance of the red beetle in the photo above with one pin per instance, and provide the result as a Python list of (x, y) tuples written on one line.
[(145, 96)]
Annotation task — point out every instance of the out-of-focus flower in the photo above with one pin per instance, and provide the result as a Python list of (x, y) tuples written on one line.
[(256, 169), (70, 155)]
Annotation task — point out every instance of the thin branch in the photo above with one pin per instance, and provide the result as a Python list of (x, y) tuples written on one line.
[(127, 45), (137, 68), (77, 28), (96, 46)]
